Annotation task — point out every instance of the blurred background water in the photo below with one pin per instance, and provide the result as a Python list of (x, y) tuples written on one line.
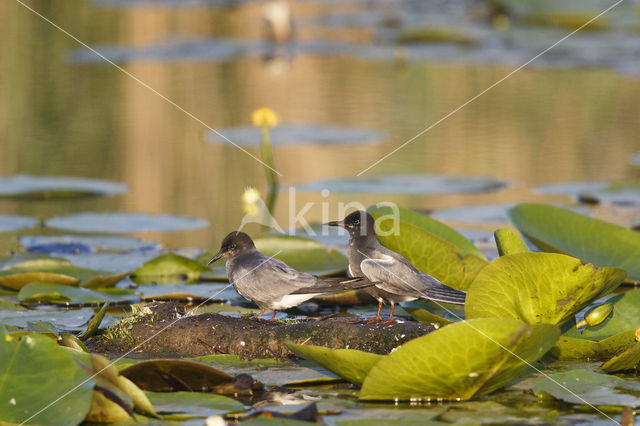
[(386, 68)]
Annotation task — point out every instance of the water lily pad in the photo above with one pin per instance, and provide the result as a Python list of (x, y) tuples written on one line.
[(64, 295), (508, 242), (65, 319), (623, 192), (116, 262), (192, 403), (16, 223), (55, 271), (406, 184), (296, 134), (56, 244), (349, 364), (538, 287), (190, 292), (625, 316), (560, 230), (422, 314), (431, 254), (26, 387), (52, 187), (301, 253), (569, 347), (430, 225), (5, 305), (624, 361), (152, 375), (459, 361), (486, 213), (169, 265), (122, 222), (587, 387)]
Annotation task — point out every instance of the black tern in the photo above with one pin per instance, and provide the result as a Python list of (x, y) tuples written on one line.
[(270, 283), (396, 279)]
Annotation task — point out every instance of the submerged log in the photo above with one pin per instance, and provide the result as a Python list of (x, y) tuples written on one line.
[(162, 329)]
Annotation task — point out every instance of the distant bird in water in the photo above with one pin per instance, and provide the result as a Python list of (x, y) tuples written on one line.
[(277, 21), (396, 279), (270, 283)]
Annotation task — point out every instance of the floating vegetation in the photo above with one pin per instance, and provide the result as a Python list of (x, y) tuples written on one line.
[(27, 187), (121, 222), (407, 184), (298, 134)]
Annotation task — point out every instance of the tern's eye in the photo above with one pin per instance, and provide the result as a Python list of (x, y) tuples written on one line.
[(356, 222), (232, 247)]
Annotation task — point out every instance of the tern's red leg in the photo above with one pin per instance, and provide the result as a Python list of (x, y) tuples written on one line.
[(274, 316), (260, 314), (378, 317), (391, 315)]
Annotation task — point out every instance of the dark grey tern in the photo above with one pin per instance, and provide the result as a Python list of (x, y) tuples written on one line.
[(270, 283), (395, 278)]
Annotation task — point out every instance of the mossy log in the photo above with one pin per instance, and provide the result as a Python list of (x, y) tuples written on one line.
[(162, 329)]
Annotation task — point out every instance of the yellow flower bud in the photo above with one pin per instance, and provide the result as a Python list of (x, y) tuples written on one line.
[(596, 315), (250, 199), (264, 117)]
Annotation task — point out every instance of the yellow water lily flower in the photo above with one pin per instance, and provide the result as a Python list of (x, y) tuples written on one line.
[(264, 117), (250, 199)]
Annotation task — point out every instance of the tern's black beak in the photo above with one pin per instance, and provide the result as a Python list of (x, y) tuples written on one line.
[(336, 223), (217, 257)]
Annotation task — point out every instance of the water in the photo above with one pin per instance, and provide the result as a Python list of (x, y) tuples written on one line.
[(557, 121), (90, 120)]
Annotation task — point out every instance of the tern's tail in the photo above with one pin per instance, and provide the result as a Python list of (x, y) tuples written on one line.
[(439, 292)]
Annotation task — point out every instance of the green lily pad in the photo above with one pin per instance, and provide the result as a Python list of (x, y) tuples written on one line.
[(95, 322), (55, 271), (459, 361), (508, 242), (228, 360), (558, 230), (168, 265), (538, 287), (430, 225), (380, 417), (425, 317), (62, 294), (627, 360), (151, 375), (192, 403), (350, 364), (625, 316), (587, 387), (431, 254), (27, 385), (5, 305), (578, 348), (303, 254), (424, 312)]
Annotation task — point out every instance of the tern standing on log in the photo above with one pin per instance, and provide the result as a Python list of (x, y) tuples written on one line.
[(270, 283), (395, 278)]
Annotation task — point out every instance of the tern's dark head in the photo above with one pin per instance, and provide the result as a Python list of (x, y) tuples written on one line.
[(358, 223), (233, 244)]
